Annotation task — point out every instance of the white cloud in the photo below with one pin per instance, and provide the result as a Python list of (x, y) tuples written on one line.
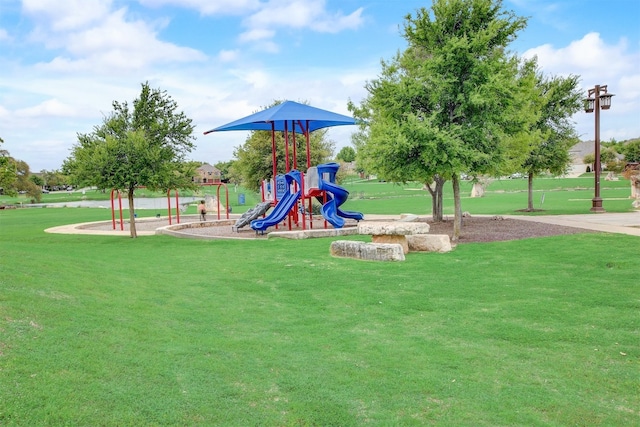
[(68, 14), (113, 43), (597, 62), (630, 86), (297, 14), (48, 108), (4, 35), (302, 14), (589, 57), (256, 34), (339, 22), (4, 113), (256, 79), (209, 7), (294, 13), (228, 55)]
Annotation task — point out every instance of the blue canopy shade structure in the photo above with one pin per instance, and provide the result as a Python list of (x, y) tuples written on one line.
[(288, 116)]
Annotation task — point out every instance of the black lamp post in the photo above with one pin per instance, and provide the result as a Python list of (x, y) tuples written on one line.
[(598, 98)]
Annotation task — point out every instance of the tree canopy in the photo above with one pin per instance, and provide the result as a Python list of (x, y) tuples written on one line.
[(346, 154), (15, 176), (7, 172), (631, 150), (451, 102), (141, 146)]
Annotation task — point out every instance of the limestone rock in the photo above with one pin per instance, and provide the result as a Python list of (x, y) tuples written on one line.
[(408, 218), (398, 228), (367, 251), (429, 243), (392, 239), (477, 190)]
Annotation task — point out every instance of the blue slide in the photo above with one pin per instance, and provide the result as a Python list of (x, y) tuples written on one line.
[(283, 207), (336, 196)]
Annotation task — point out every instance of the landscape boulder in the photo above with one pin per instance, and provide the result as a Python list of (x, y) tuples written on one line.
[(367, 251), (429, 243), (392, 232)]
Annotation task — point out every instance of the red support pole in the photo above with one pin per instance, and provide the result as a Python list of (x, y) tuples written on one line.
[(177, 208), (120, 208), (306, 134), (113, 210), (273, 153), (310, 212), (226, 190), (177, 205), (286, 145), (295, 154), (302, 191), (169, 204)]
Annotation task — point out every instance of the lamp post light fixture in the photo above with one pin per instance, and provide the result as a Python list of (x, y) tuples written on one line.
[(598, 98)]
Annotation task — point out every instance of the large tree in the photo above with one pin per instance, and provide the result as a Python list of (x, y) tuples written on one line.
[(141, 146), (8, 176), (451, 102), (254, 161), (559, 98), (346, 154), (631, 150), (228, 172), (54, 179), (15, 176)]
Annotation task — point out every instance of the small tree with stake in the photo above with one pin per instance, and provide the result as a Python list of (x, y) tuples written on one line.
[(559, 99), (143, 146)]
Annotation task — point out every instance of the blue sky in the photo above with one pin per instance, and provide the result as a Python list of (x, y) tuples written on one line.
[(62, 63)]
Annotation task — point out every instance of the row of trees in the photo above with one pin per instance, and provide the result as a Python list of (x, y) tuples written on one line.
[(457, 102), (612, 151)]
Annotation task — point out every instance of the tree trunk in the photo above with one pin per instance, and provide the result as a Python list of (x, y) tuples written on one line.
[(457, 208), (132, 216), (530, 191), (436, 197), (439, 206)]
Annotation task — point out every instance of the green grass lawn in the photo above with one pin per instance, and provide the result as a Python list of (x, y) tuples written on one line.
[(115, 331), (554, 196)]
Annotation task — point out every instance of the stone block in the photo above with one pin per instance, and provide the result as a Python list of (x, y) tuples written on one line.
[(407, 217), (429, 243), (367, 251), (398, 228), (392, 239), (313, 233)]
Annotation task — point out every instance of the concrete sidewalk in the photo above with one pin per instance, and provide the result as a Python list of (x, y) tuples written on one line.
[(621, 223)]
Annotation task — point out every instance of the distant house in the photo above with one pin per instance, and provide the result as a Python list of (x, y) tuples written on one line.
[(207, 174), (577, 152)]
